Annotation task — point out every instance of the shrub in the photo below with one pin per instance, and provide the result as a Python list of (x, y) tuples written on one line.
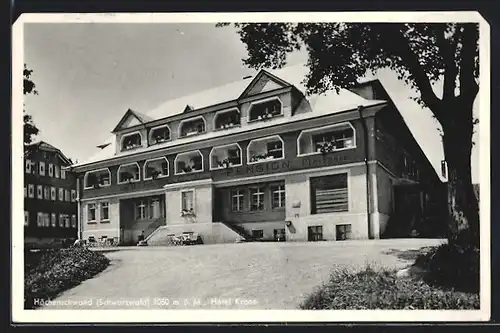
[(371, 289), (47, 273)]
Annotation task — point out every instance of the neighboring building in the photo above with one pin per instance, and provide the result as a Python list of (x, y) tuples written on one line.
[(50, 208), (259, 159)]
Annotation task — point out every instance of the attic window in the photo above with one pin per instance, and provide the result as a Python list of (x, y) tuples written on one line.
[(192, 127), (227, 119), (159, 134), (265, 109), (131, 141)]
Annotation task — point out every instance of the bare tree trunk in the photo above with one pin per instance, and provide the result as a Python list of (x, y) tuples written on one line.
[(463, 207)]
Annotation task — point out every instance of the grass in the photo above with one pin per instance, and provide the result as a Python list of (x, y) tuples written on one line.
[(47, 273), (452, 283)]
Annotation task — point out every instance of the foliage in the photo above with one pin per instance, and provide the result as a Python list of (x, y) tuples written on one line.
[(29, 87), (47, 273), (380, 289)]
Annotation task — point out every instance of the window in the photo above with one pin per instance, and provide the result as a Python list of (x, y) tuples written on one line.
[(51, 170), (61, 194), (128, 173), (66, 195), (61, 220), (343, 231), (265, 110), (192, 127), (150, 208), (27, 165), (31, 190), (39, 192), (257, 198), (73, 221), (26, 218), (237, 199), (53, 220), (56, 171), (104, 211), (187, 198), (189, 162), (159, 134), (225, 156), (63, 173), (278, 196), (97, 178), (42, 168), (53, 194), (46, 193), (315, 233), (329, 194), (265, 149), (326, 139), (91, 212), (227, 119), (257, 233), (279, 235), (131, 141), (67, 222), (46, 219), (39, 219), (156, 168), (25, 191), (140, 210), (73, 195)]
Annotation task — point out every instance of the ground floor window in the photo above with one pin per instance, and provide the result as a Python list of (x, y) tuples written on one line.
[(257, 233), (237, 200), (257, 198), (343, 231), (279, 235), (104, 211), (278, 196), (187, 201), (146, 209), (329, 194), (315, 233), (91, 212)]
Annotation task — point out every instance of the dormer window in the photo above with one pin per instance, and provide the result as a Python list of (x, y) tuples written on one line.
[(265, 149), (131, 141), (128, 173), (159, 134), (192, 126), (96, 179), (189, 162), (227, 119), (264, 110)]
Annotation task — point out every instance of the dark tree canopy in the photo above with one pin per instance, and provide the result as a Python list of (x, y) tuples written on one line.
[(30, 130)]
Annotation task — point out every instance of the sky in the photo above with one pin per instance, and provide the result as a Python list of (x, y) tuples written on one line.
[(89, 74)]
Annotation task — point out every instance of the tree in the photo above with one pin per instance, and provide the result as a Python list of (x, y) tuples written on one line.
[(421, 54), (30, 130)]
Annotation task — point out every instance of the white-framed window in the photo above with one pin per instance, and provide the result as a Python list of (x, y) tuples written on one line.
[(131, 141), (61, 194), (149, 208), (73, 221), (129, 173), (26, 218), (41, 168), (63, 173), (226, 119), (39, 192), (140, 210), (237, 200), (46, 220), (25, 191), (104, 211), (265, 109), (278, 196), (31, 191), (56, 171), (51, 170), (192, 126), (53, 193), (67, 221), (326, 139), (97, 178), (73, 195), (265, 149), (91, 212), (226, 156), (66, 196), (187, 162), (187, 200), (257, 198), (159, 134), (329, 194), (46, 193), (156, 168), (39, 219), (27, 165), (53, 220), (61, 220)]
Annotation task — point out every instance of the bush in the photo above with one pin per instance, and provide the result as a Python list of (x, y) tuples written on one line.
[(47, 273), (371, 289)]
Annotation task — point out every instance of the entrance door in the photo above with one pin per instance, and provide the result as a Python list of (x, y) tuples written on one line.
[(408, 209)]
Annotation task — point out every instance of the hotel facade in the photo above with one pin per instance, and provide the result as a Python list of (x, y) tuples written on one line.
[(258, 159)]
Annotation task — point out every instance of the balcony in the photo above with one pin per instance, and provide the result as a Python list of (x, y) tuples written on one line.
[(192, 127), (159, 134), (326, 139), (265, 149), (128, 173), (156, 168), (188, 162), (131, 141), (97, 179), (265, 110), (227, 119), (227, 156)]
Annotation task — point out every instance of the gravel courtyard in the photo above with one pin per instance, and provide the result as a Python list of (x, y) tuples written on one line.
[(228, 276)]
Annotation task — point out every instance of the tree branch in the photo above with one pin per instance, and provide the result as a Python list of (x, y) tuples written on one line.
[(468, 85)]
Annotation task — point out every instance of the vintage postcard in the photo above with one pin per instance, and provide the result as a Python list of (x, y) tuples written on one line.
[(251, 167)]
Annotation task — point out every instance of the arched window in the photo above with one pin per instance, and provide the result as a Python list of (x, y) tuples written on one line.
[(326, 139), (227, 119), (192, 126), (156, 168), (188, 162), (266, 109), (265, 149), (131, 141), (159, 134), (226, 156), (128, 173)]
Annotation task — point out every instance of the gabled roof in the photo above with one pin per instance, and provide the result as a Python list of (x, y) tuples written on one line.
[(42, 145), (278, 83), (142, 118)]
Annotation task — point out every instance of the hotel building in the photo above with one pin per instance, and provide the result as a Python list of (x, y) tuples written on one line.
[(259, 159)]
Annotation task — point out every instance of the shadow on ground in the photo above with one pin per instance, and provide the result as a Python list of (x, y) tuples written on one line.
[(408, 255)]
